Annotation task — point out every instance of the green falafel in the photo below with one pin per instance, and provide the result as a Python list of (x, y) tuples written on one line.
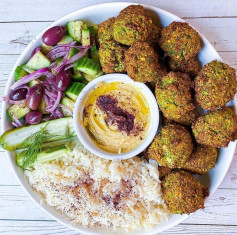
[(112, 56), (180, 41), (105, 30), (190, 67), (133, 24), (217, 128), (173, 94), (172, 147), (215, 85), (183, 193), (142, 63), (187, 119), (202, 160)]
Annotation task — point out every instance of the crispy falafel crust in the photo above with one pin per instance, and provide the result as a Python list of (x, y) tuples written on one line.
[(132, 24), (173, 94), (215, 85), (105, 30), (112, 56), (202, 160), (180, 41), (172, 147), (183, 193), (142, 63), (217, 128), (191, 67)]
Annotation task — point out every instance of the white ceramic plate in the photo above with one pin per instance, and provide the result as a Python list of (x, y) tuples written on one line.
[(97, 14)]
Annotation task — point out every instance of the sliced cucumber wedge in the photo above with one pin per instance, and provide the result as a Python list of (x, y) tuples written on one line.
[(74, 29), (18, 111), (89, 77), (87, 66), (48, 154), (85, 38), (19, 72), (74, 90), (66, 39), (38, 61), (58, 129)]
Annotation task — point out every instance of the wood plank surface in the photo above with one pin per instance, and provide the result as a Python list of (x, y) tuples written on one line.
[(52, 228), (27, 10)]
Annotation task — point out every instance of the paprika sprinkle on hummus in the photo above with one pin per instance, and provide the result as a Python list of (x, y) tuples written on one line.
[(116, 115)]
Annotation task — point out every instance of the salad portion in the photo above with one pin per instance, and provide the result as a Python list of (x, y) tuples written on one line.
[(46, 88)]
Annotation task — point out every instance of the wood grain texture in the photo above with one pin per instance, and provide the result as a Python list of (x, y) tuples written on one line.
[(52, 228), (54, 9), (21, 21)]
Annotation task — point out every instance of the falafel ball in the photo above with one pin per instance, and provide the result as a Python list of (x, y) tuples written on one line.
[(173, 94), (215, 85), (133, 24), (202, 160), (217, 128), (163, 171), (142, 63), (183, 193), (187, 119), (190, 67), (180, 41), (154, 36), (112, 57), (105, 30), (172, 147)]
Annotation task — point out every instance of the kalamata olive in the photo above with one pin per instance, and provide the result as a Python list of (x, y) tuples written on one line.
[(18, 94), (34, 96), (33, 117), (35, 51), (63, 80), (53, 35)]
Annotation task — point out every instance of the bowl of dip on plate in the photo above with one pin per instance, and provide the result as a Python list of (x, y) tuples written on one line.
[(116, 117)]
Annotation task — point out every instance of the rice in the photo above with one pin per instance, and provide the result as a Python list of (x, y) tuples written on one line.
[(92, 191)]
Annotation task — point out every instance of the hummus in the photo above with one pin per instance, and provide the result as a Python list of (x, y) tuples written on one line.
[(116, 115)]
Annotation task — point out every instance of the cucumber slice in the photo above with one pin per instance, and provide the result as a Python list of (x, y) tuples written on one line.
[(77, 77), (38, 61), (18, 111), (72, 52), (85, 38), (74, 90), (58, 128), (66, 39), (46, 48), (28, 70), (95, 54), (89, 77), (68, 103), (87, 66), (48, 154), (74, 29), (19, 72)]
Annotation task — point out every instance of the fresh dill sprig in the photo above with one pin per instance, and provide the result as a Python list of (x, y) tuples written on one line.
[(34, 144)]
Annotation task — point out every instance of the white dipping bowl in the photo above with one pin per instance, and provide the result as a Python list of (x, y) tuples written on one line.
[(84, 136)]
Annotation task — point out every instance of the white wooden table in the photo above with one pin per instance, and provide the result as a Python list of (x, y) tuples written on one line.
[(21, 20)]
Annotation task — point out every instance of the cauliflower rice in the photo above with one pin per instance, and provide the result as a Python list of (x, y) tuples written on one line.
[(93, 191)]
